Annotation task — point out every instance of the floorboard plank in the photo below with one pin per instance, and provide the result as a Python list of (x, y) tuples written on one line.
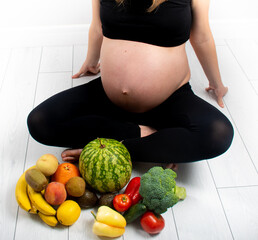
[(16, 99), (241, 100), (82, 229), (51, 83), (255, 85), (32, 227), (200, 215), (241, 208), (4, 59), (56, 59), (245, 51)]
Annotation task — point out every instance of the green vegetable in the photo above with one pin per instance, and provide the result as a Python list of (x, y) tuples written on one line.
[(134, 212), (159, 191)]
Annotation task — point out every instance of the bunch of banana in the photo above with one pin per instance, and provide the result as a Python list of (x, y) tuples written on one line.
[(34, 202), (21, 195), (40, 203)]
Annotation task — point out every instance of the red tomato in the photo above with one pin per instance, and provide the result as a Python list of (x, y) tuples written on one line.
[(122, 202), (152, 223)]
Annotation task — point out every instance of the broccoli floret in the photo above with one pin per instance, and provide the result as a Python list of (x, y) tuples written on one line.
[(159, 191)]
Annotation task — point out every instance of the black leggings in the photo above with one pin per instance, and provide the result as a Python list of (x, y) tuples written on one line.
[(188, 128)]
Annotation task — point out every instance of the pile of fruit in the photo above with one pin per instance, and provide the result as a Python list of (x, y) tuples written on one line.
[(44, 189), (58, 192)]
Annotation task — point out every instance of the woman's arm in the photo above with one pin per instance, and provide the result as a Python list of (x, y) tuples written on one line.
[(95, 38), (95, 34), (203, 44)]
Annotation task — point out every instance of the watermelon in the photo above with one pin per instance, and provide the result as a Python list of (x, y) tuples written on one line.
[(105, 164)]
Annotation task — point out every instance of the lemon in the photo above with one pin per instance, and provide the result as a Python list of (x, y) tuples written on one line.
[(68, 212)]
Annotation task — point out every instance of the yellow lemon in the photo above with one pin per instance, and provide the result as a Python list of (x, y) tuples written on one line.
[(68, 212)]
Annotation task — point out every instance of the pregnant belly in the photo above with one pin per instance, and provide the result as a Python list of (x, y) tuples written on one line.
[(138, 76)]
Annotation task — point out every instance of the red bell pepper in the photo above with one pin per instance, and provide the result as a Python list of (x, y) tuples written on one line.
[(132, 190)]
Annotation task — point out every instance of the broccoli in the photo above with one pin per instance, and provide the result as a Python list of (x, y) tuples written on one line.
[(159, 191)]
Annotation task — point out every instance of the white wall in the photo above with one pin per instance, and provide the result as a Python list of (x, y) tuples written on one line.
[(46, 22), (30, 13), (233, 10), (27, 13)]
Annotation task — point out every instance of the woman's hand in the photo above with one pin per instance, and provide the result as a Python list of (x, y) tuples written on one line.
[(87, 70), (219, 92)]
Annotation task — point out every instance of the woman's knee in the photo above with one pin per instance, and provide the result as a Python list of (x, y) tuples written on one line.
[(221, 135), (37, 125)]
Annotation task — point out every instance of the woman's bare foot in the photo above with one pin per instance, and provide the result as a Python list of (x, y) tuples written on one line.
[(146, 130), (173, 166), (71, 155)]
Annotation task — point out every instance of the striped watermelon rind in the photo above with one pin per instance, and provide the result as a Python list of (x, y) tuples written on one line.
[(106, 169)]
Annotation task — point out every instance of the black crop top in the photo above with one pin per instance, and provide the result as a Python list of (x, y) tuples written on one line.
[(168, 25)]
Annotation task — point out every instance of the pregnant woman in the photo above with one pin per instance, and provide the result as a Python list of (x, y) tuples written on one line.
[(143, 97)]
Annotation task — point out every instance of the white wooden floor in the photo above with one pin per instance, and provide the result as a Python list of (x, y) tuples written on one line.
[(222, 201)]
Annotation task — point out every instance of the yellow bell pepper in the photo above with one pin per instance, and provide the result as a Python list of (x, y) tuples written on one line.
[(108, 223)]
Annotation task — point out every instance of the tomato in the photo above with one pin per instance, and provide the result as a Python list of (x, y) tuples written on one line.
[(122, 202), (152, 223)]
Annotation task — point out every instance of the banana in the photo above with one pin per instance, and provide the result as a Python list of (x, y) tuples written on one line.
[(40, 203), (49, 220), (21, 192), (33, 209)]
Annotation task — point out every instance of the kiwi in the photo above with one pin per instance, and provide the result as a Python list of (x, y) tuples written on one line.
[(75, 186), (87, 200), (107, 200), (36, 179)]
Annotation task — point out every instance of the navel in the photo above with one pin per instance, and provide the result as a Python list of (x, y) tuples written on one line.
[(124, 92)]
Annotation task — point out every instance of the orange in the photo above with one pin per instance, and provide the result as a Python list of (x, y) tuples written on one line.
[(64, 172)]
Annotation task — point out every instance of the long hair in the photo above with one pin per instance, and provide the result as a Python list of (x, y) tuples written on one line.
[(155, 4)]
